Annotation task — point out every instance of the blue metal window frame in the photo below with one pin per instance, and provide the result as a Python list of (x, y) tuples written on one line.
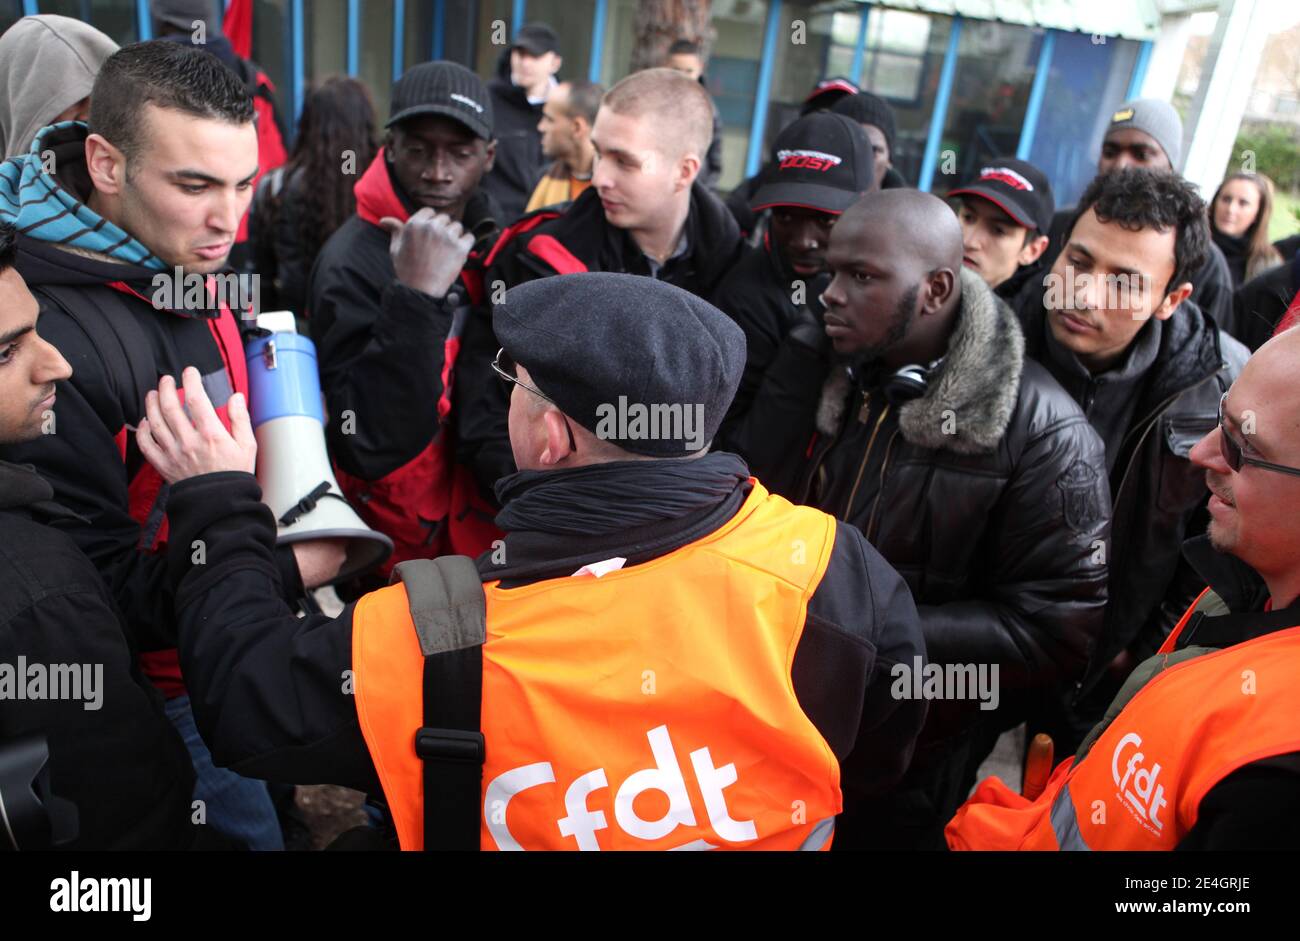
[(1034, 107), (767, 63), (143, 21), (30, 8), (939, 117), (439, 38), (297, 66), (399, 38), (597, 40), (855, 69), (354, 36), (1139, 76), (517, 15)]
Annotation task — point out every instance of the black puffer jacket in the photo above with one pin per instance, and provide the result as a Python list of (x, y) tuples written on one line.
[(988, 494), (1157, 492)]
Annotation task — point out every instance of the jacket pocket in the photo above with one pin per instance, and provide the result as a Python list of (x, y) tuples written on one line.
[(1182, 483)]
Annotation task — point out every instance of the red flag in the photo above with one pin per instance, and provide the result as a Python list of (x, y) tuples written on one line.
[(238, 27)]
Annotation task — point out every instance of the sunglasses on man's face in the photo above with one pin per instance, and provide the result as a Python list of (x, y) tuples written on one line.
[(1232, 451), (505, 367)]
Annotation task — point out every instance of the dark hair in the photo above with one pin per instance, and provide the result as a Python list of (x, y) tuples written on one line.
[(167, 74), (584, 100), (337, 117), (1138, 199), (684, 47), (8, 246)]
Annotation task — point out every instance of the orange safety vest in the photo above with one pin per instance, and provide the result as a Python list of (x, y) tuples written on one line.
[(1140, 785), (650, 708)]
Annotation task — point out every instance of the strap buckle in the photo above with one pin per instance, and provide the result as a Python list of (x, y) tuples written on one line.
[(454, 745)]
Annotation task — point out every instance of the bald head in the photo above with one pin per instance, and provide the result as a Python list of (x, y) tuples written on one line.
[(923, 223), (1254, 508)]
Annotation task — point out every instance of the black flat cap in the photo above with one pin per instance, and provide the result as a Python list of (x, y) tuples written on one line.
[(634, 360)]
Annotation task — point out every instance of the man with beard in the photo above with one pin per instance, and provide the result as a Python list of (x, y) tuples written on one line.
[(912, 413)]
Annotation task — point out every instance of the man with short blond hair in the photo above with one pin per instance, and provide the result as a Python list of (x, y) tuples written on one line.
[(644, 214)]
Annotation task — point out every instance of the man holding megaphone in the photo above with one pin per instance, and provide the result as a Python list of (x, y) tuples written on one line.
[(654, 620)]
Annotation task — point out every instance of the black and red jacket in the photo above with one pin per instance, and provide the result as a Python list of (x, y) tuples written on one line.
[(569, 239), (91, 458), (387, 361)]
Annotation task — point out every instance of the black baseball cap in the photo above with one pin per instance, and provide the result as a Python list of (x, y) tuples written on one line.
[(536, 39), (443, 88), (826, 92), (822, 161), (1016, 187)]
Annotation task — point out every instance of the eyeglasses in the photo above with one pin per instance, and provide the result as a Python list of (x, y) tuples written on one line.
[(508, 369), (1231, 451)]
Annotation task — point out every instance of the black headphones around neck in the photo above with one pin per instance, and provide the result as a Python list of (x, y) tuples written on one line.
[(909, 382)]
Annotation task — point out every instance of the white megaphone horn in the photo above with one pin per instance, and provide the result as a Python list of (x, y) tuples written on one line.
[(292, 465)]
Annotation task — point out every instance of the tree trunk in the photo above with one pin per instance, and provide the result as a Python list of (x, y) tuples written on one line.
[(659, 23)]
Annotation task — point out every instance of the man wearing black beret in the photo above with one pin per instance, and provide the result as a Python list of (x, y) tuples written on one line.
[(654, 619)]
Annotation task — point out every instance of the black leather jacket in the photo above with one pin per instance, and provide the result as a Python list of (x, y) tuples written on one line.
[(988, 495), (1158, 495)]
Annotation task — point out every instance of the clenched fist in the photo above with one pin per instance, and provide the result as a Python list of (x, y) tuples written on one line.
[(428, 250)]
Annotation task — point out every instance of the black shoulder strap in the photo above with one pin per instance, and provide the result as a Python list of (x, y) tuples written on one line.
[(450, 614), (112, 327)]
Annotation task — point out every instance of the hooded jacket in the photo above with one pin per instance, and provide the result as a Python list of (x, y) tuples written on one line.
[(101, 309), (113, 753), (1156, 491), (47, 65), (387, 358)]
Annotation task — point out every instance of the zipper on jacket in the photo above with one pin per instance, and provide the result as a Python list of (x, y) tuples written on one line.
[(875, 505), (863, 413)]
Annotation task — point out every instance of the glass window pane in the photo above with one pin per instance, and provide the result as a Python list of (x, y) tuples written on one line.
[(488, 55), (271, 50), (902, 61), (995, 70), (376, 66), (114, 18), (10, 12), (732, 80), (572, 20), (326, 38), (1086, 83), (829, 37)]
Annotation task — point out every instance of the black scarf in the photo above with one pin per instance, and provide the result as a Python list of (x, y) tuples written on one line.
[(601, 499)]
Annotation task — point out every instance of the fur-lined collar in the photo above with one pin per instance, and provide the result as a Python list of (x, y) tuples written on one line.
[(971, 396)]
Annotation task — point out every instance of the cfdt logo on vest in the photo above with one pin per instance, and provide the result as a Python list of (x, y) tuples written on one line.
[(582, 823), (1138, 786)]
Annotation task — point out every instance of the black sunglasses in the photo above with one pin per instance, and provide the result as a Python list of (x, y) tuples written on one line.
[(1232, 451), (508, 369)]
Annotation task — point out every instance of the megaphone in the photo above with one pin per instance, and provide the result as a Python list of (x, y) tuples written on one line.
[(292, 466)]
